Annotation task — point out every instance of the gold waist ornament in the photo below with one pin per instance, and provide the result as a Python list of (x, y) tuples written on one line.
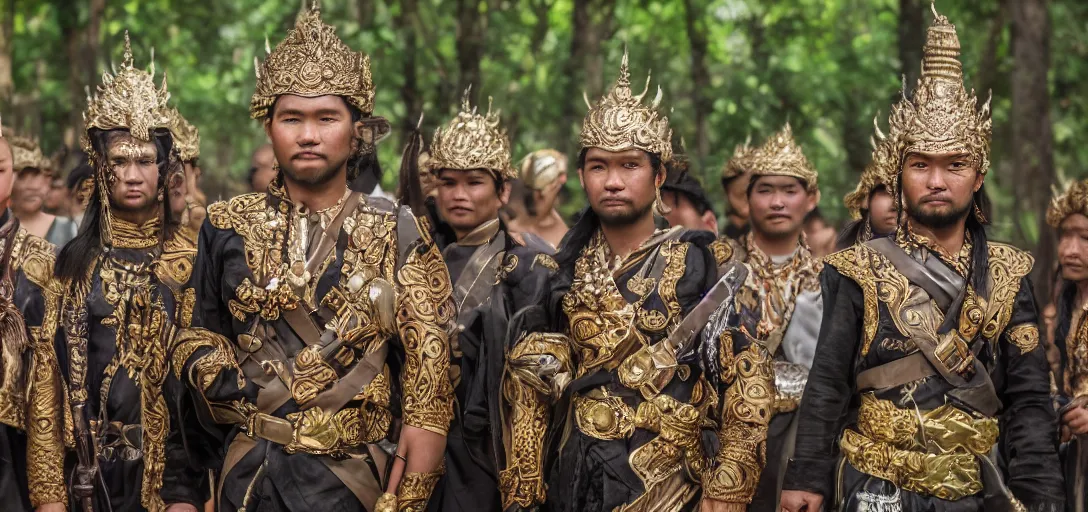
[(601, 415), (319, 432), (933, 452)]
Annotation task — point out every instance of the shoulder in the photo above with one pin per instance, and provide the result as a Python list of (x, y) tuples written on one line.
[(1009, 260), (236, 213), (851, 260), (723, 249), (35, 256)]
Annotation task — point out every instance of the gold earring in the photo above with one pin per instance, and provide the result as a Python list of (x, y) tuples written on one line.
[(979, 216), (659, 205)]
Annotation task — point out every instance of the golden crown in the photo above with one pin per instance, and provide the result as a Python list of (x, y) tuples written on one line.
[(1073, 200), (186, 136), (879, 171), (942, 117), (620, 121), (780, 155), (27, 154), (740, 162), (472, 141), (311, 61), (127, 99), (542, 167)]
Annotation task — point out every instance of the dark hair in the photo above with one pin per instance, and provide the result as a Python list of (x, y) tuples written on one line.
[(1067, 298), (755, 178), (76, 256), (655, 160), (815, 214), (82, 171)]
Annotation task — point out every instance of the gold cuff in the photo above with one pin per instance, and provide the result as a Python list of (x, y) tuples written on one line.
[(415, 490), (386, 503)]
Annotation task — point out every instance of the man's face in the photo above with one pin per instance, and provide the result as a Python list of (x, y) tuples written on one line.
[(1073, 247), (737, 193), (620, 186), (684, 213), (134, 164), (938, 188), (57, 197), (778, 206), (311, 138), (882, 214), (467, 199), (264, 161), (176, 189), (31, 187), (7, 173)]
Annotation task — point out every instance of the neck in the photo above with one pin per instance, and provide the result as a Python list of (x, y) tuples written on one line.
[(137, 217), (549, 219), (317, 197), (25, 216), (1082, 293), (737, 220), (776, 246), (624, 239), (950, 237)]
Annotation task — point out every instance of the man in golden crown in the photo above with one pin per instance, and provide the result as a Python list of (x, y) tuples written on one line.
[(495, 274), (929, 389), (871, 205), (1068, 213), (26, 280), (543, 175), (320, 334), (779, 303), (115, 314), (735, 184), (33, 176), (187, 201), (620, 337)]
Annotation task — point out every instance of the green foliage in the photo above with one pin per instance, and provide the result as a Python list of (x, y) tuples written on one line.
[(826, 66)]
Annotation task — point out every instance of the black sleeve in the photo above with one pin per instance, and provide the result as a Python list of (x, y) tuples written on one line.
[(1028, 424), (826, 400)]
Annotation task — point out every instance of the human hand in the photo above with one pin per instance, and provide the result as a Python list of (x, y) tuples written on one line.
[(801, 501)]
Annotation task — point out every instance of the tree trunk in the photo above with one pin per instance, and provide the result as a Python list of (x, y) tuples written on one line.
[(700, 78), (912, 36), (471, 31), (409, 92), (7, 30), (591, 20), (1032, 137)]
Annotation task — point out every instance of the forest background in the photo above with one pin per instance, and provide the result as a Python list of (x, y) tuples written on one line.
[(730, 69)]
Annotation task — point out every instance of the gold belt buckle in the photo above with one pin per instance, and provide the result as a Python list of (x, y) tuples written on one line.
[(271, 428), (606, 418)]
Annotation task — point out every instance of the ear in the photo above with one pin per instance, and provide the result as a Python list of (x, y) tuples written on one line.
[(562, 179), (581, 179), (979, 179), (268, 127), (710, 221), (659, 178), (813, 200), (504, 194)]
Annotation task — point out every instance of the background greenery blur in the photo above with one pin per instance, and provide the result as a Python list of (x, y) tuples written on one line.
[(729, 69)]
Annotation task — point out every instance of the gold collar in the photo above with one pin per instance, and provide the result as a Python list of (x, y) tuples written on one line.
[(483, 234), (128, 235)]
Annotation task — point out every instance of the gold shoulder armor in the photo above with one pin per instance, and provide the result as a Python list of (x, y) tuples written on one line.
[(723, 250), (855, 263), (1015, 262), (36, 257), (228, 214)]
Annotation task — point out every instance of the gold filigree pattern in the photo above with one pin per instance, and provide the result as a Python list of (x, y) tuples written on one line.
[(415, 489), (312, 61), (1025, 337), (542, 167), (263, 229), (471, 141), (269, 301), (723, 251), (311, 375), (777, 285), (545, 261), (186, 136), (741, 161), (174, 266), (780, 155), (619, 121), (1073, 200), (881, 171), (509, 264), (27, 154)]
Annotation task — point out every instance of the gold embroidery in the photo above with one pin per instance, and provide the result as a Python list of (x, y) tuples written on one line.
[(263, 229), (510, 262), (471, 141), (1025, 337), (546, 261), (174, 266), (722, 250), (415, 489), (126, 235), (619, 121), (268, 301), (776, 286), (311, 375)]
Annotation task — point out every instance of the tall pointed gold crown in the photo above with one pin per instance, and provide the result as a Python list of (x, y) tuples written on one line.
[(26, 153), (880, 171), (542, 167), (472, 141), (740, 162), (620, 121), (186, 136), (1073, 200), (780, 155), (312, 61), (942, 117), (129, 100)]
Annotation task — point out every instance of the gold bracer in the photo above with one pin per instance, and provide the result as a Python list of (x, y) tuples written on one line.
[(780, 155), (471, 141), (538, 369), (312, 61), (620, 121), (1073, 200), (936, 456), (415, 490), (186, 136)]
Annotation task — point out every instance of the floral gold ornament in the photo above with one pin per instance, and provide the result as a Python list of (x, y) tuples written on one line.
[(542, 167), (780, 155), (186, 136), (619, 121), (1073, 200), (472, 141), (27, 154), (741, 161), (312, 61), (881, 170), (942, 117)]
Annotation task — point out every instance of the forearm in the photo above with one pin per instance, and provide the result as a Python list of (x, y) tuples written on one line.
[(45, 428)]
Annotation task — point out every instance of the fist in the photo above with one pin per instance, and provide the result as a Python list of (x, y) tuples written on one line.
[(801, 501), (1076, 420)]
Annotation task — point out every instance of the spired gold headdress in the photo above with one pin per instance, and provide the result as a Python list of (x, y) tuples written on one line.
[(942, 117), (472, 141), (880, 171), (312, 61), (620, 121), (740, 162), (542, 167), (27, 154), (1073, 200), (186, 136), (780, 155)]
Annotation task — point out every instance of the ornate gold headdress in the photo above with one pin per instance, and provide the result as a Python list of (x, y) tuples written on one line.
[(186, 136), (472, 141), (880, 171), (740, 162), (312, 61), (1073, 200), (781, 156), (27, 154), (127, 100), (942, 116), (620, 121), (542, 167)]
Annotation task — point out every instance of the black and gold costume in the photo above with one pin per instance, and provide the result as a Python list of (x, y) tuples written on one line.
[(27, 265)]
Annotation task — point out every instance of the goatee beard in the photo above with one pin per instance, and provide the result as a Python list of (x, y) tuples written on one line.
[(937, 220), (317, 180), (626, 218)]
